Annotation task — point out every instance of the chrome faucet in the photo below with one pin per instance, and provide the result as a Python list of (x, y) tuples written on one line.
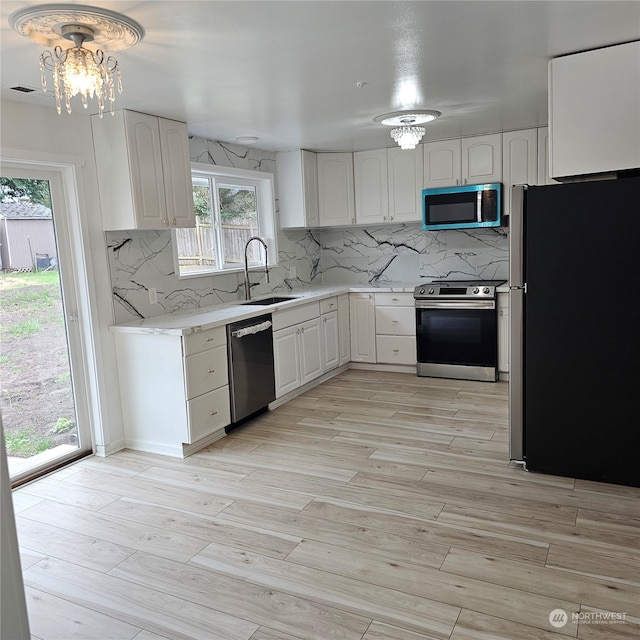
[(247, 284)]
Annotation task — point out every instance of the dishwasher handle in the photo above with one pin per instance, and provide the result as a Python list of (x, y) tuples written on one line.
[(255, 328)]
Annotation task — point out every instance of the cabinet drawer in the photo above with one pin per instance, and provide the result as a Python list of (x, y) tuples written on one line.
[(395, 299), (328, 305), (397, 321), (297, 315), (208, 413), (396, 349), (196, 342), (206, 371)]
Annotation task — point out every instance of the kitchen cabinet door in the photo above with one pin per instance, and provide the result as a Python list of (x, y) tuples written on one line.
[(330, 349), (344, 339), (335, 189), (362, 327), (442, 164), (286, 360), (482, 159), (520, 162), (544, 175), (406, 175), (176, 170), (297, 188), (371, 186), (310, 352)]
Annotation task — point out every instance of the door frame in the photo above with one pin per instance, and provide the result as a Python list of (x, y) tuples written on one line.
[(76, 289)]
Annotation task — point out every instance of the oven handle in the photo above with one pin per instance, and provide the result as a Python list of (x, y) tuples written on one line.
[(455, 304)]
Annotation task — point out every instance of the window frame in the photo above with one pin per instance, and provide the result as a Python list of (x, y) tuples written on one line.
[(266, 213)]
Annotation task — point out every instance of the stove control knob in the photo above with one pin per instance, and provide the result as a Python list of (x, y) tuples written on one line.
[(486, 291), (476, 290), (421, 290), (431, 291)]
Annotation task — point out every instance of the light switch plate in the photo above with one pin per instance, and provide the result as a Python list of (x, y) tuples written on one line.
[(153, 295), (293, 272)]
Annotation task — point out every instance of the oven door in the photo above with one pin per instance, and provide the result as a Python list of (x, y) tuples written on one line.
[(457, 339)]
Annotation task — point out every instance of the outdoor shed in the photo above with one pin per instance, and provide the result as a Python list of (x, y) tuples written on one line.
[(27, 237)]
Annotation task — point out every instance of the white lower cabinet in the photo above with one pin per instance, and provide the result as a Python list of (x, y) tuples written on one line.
[(174, 390), (503, 333), (297, 347), (395, 321), (362, 327)]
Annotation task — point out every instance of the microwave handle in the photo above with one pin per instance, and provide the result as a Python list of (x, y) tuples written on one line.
[(479, 206)]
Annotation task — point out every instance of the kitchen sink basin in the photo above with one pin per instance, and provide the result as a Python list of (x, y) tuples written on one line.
[(269, 301)]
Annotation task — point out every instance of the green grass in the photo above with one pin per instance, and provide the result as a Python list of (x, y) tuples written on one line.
[(31, 278), (22, 329), (32, 291), (26, 443)]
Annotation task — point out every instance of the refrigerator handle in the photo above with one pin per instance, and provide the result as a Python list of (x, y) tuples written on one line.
[(517, 291)]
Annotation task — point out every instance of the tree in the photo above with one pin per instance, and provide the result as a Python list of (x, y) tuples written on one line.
[(201, 203), (36, 191), (237, 202)]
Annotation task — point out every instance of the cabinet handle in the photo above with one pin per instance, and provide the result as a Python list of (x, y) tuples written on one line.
[(394, 322), (213, 413), (395, 299), (211, 371), (457, 182), (210, 339), (396, 350)]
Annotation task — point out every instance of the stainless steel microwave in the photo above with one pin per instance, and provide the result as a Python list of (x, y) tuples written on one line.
[(469, 207)]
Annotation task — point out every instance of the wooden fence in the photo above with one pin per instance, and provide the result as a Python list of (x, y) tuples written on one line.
[(196, 246)]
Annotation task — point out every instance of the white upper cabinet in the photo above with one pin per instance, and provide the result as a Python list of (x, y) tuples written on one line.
[(371, 186), (594, 102), (442, 164), (144, 171), (297, 188), (335, 189), (452, 163), (520, 161), (482, 159), (544, 177), (406, 175)]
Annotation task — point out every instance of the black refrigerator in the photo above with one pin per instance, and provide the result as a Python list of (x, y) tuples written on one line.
[(574, 285)]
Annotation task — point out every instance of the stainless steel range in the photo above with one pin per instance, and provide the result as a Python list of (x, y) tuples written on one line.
[(457, 329)]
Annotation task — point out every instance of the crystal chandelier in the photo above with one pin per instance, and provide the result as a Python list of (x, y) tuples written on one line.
[(408, 130), (408, 136), (80, 71)]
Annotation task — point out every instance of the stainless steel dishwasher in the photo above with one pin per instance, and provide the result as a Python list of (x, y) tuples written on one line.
[(251, 376)]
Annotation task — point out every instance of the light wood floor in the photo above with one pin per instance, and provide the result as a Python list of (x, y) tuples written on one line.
[(378, 506)]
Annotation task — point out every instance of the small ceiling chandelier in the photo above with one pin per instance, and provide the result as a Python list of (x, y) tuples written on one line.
[(79, 70), (408, 129)]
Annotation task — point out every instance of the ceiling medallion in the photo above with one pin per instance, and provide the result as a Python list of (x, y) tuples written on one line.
[(79, 70), (408, 130)]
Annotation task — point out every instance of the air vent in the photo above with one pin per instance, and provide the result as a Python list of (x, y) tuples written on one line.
[(22, 89)]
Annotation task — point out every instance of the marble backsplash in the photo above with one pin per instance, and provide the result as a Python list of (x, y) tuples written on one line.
[(140, 260)]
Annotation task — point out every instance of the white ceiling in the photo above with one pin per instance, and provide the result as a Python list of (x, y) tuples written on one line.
[(287, 71)]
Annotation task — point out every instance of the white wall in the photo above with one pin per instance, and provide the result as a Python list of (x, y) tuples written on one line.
[(34, 133)]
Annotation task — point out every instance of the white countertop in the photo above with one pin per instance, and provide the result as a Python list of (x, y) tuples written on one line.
[(192, 321)]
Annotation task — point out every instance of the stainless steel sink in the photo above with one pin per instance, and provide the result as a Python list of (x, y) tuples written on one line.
[(266, 302)]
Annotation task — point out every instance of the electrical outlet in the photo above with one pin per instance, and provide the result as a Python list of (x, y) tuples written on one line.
[(292, 272), (153, 295)]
